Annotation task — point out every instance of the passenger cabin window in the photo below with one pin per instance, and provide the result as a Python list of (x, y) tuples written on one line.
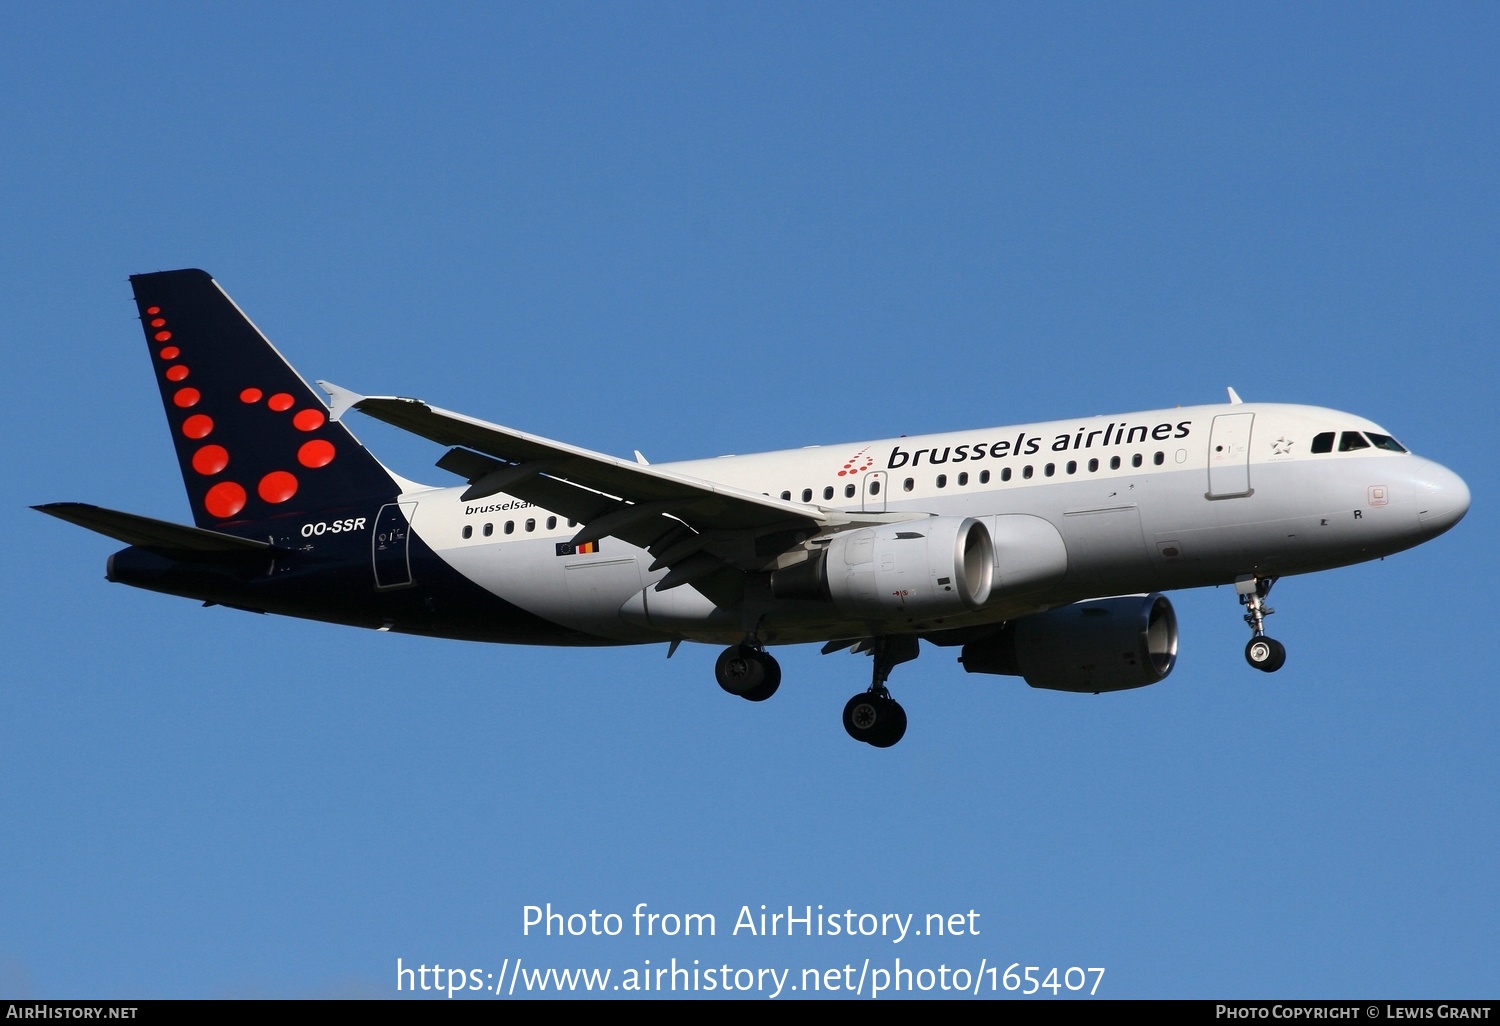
[(489, 529), (875, 487), (531, 525), (942, 481), (551, 523), (1352, 440), (963, 479), (908, 485), (1114, 463), (1323, 442), (510, 527), (828, 492), (807, 495), (1072, 466), (984, 477), (786, 496), (1135, 461), (1159, 458), (468, 530), (848, 491), (1005, 473), (1027, 472)]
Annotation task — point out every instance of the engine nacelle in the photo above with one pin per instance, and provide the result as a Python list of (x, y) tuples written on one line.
[(916, 569), (1029, 555), (1108, 644)]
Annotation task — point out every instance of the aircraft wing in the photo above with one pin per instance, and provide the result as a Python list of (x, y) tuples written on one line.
[(644, 505)]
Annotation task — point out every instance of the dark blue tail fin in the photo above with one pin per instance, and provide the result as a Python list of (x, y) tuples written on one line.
[(253, 439)]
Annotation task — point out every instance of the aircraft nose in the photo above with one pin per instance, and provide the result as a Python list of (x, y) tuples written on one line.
[(1446, 499)]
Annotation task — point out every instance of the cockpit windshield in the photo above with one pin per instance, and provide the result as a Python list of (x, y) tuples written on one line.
[(1352, 441)]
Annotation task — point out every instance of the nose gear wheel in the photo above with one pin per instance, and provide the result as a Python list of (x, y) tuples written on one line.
[(1263, 653)]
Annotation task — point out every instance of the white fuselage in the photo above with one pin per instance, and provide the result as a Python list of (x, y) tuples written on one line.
[(1143, 502)]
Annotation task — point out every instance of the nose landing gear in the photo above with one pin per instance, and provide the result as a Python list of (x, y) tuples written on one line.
[(1263, 653)]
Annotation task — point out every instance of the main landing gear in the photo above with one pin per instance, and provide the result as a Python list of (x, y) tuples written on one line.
[(748, 671), (873, 716), (1263, 653)]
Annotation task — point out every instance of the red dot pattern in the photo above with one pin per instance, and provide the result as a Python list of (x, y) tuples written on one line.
[(858, 463), (277, 486), (210, 459), (308, 420), (224, 500), (199, 425), (316, 453), (227, 499)]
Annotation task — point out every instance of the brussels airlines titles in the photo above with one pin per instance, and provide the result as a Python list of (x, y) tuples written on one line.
[(1025, 445)]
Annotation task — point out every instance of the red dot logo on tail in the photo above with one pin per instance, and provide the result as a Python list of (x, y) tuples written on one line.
[(277, 486), (210, 459), (316, 453), (308, 420), (224, 500), (199, 425)]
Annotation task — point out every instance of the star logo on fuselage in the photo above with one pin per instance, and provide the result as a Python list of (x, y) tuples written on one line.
[(1282, 446)]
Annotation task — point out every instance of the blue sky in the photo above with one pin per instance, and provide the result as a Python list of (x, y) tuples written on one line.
[(697, 229)]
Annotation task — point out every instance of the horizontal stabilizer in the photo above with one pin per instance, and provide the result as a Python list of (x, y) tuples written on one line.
[(162, 536)]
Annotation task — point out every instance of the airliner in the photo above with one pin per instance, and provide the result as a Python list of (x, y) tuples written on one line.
[(1036, 550)]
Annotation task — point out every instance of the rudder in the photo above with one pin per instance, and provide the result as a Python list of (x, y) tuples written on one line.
[(253, 440)]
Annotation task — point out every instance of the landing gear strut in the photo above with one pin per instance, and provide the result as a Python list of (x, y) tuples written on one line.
[(1263, 653), (748, 671), (873, 716)]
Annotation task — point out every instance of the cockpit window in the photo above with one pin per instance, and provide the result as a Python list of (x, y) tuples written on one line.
[(1385, 442), (1323, 442), (1351, 440)]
